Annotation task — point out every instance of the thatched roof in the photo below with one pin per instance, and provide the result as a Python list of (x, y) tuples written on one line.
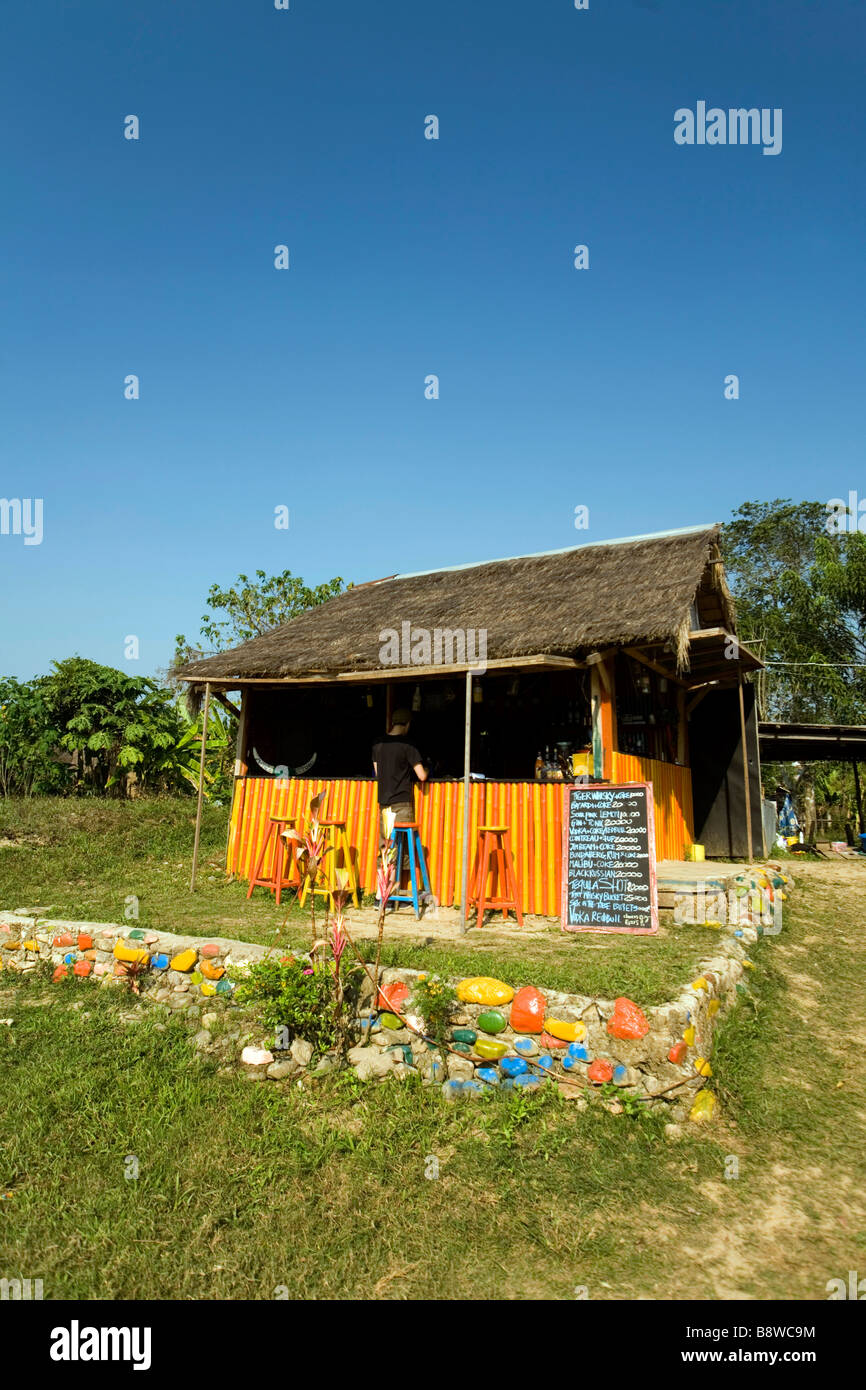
[(563, 603)]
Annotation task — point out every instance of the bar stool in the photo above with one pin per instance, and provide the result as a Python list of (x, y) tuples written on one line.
[(415, 852), (337, 842), (276, 879), (493, 842)]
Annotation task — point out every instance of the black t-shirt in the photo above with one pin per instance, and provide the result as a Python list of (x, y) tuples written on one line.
[(395, 758)]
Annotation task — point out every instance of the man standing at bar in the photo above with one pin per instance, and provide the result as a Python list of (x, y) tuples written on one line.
[(395, 760)]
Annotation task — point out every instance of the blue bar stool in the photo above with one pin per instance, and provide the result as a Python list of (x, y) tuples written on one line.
[(408, 830)]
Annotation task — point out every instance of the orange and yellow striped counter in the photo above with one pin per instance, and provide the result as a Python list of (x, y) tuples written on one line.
[(531, 810)]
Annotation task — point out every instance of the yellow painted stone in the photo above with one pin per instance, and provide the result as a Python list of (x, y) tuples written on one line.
[(749, 964), (11, 945), (127, 953), (30, 945), (185, 960), (700, 983), (703, 1066), (713, 1007), (211, 971), (568, 1032), (481, 989), (689, 1036), (705, 1104), (207, 989)]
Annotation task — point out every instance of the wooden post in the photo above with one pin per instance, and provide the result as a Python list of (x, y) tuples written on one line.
[(240, 771), (746, 780), (857, 795), (598, 749), (682, 728), (200, 785), (467, 754)]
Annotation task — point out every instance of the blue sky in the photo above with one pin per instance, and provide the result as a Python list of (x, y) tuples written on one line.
[(305, 388)]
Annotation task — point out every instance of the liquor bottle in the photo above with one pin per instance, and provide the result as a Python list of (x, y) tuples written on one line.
[(539, 767)]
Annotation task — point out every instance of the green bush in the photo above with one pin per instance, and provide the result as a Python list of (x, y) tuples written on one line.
[(297, 996)]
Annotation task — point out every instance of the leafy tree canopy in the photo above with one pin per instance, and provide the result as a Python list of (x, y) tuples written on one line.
[(253, 607)]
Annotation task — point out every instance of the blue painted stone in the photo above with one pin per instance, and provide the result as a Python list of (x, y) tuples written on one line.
[(159, 962), (372, 1024), (568, 1063), (489, 1075), (619, 1073), (545, 1060), (473, 1088), (451, 1089), (526, 1046), (407, 1055), (526, 1080), (437, 1071), (513, 1066), (71, 958), (224, 986), (576, 1052), (738, 933)]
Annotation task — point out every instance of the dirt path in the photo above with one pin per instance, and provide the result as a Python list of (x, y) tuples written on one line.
[(796, 1215)]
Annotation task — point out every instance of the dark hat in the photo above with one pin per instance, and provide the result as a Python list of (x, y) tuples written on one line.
[(401, 716)]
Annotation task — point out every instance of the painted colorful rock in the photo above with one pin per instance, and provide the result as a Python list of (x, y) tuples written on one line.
[(151, 938), (548, 1041), (159, 962), (463, 1048), (545, 1060), (677, 1054), (527, 1080), (713, 1007), (702, 1110), (627, 1021), (70, 959), (489, 1075), (527, 1010), (569, 1063), (464, 1035), (482, 989), (492, 1021), (700, 983), (60, 973), (128, 953), (578, 1052), (64, 939), (393, 996), (513, 1066), (196, 977), (569, 1032), (689, 1036), (11, 945), (120, 970), (90, 955), (600, 1071), (390, 1021), (30, 945), (185, 960), (490, 1049), (223, 986), (101, 968), (137, 934), (620, 1073), (703, 1067), (208, 989), (83, 968), (209, 950), (211, 971)]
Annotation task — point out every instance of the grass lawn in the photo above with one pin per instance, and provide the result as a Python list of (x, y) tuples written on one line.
[(243, 1188), (83, 859)]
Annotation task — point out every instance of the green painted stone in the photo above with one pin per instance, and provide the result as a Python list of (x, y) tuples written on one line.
[(464, 1035), (196, 977), (390, 1021), (137, 934), (490, 1049), (224, 986), (462, 1047), (492, 1021)]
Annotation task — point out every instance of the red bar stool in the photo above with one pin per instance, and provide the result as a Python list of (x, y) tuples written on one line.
[(276, 879), (493, 842), (337, 842)]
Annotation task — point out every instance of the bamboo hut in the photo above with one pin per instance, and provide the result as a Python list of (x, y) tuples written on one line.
[(620, 656)]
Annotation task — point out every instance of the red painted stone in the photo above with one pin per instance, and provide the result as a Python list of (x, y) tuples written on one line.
[(600, 1071), (678, 1052), (393, 996), (548, 1041), (627, 1020), (64, 939), (209, 951), (85, 942), (82, 967), (59, 973), (527, 1010)]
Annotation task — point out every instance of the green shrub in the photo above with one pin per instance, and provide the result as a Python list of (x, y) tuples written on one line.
[(296, 996)]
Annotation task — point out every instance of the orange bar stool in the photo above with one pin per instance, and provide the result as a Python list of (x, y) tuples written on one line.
[(276, 879), (337, 843), (494, 844), (407, 830)]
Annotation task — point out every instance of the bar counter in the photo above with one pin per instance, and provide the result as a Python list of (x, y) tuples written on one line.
[(531, 809)]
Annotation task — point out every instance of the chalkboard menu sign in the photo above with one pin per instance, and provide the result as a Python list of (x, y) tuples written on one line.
[(608, 859)]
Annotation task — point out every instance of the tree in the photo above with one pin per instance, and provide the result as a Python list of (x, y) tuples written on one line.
[(795, 607), (253, 608)]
